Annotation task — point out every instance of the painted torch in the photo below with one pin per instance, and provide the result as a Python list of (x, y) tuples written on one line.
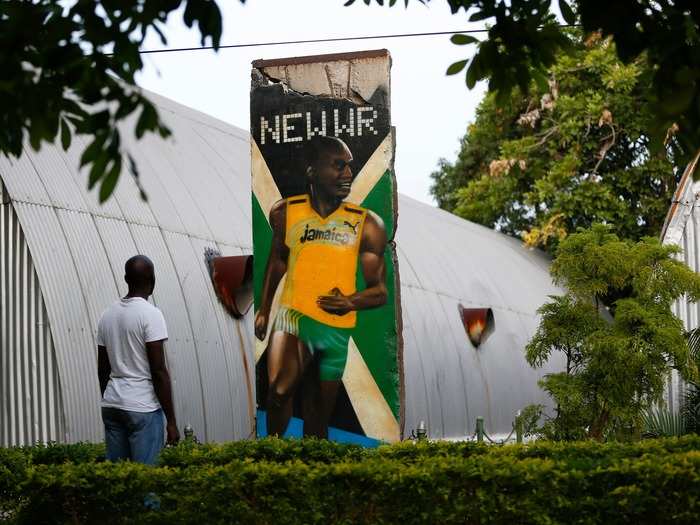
[(232, 278), (479, 323)]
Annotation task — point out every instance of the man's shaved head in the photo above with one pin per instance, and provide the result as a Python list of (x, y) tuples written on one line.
[(139, 274), (321, 144), (328, 175)]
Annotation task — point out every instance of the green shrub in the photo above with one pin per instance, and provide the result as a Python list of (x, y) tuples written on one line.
[(13, 468), (309, 481), (268, 449), (15, 461), (57, 453), (321, 451)]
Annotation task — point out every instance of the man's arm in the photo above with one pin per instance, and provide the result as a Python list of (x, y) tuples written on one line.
[(162, 386), (372, 248), (103, 368), (276, 266)]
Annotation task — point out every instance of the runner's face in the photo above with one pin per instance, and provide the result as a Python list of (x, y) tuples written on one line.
[(333, 176)]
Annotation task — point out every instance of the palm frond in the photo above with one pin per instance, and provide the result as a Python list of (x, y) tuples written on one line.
[(661, 422), (693, 337)]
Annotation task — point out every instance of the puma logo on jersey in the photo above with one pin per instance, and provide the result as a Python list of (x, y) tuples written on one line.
[(354, 227)]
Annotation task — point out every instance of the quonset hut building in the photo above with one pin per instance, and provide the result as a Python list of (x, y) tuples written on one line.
[(682, 229), (61, 265)]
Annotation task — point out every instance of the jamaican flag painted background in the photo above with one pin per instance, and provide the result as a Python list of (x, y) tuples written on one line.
[(346, 96)]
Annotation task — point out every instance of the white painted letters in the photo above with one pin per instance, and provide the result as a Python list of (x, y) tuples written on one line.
[(312, 131), (348, 128), (287, 127), (265, 129), (368, 122)]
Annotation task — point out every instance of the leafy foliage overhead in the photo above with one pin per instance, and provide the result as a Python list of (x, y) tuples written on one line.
[(616, 331), (69, 67), (524, 38), (544, 164)]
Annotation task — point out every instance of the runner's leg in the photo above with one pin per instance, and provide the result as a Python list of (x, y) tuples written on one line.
[(318, 405), (287, 359), (311, 401)]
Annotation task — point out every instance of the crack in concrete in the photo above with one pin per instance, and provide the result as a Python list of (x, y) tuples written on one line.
[(267, 79)]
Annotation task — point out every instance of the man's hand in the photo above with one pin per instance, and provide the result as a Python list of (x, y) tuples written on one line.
[(173, 434), (336, 303), (261, 320)]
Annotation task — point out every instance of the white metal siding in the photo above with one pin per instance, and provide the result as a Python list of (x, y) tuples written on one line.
[(31, 408)]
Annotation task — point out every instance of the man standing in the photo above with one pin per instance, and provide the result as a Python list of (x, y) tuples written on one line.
[(133, 376), (317, 242)]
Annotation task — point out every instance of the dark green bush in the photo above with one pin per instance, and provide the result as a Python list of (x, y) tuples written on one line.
[(15, 461), (268, 449), (57, 453), (656, 481), (321, 451)]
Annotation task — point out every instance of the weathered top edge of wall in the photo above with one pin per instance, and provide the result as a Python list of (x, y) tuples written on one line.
[(331, 57), (679, 197)]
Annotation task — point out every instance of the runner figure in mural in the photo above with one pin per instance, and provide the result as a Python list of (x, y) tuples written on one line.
[(317, 242)]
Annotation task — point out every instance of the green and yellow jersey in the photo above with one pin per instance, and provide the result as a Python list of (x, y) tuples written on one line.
[(323, 255)]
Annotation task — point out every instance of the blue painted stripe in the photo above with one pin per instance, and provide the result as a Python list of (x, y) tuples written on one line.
[(295, 429)]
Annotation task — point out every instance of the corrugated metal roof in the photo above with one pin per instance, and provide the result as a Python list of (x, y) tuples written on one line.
[(198, 183)]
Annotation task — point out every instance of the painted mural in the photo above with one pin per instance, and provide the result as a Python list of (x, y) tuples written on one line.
[(327, 318)]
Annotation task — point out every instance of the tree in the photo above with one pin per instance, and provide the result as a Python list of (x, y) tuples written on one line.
[(62, 61), (524, 38), (542, 165), (616, 330), (68, 67)]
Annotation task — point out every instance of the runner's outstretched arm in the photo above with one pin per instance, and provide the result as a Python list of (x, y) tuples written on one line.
[(372, 248), (275, 268)]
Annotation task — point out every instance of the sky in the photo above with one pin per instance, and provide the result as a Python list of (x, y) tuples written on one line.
[(430, 110)]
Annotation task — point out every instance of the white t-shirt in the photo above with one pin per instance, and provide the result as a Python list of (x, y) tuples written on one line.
[(124, 329)]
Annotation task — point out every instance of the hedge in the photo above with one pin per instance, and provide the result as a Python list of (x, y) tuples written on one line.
[(656, 481)]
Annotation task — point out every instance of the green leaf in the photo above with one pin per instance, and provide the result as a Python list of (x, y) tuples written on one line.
[(480, 15), (474, 73), (65, 135), (541, 80), (148, 119), (97, 171), (93, 150), (462, 40), (110, 180), (567, 12), (456, 67)]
